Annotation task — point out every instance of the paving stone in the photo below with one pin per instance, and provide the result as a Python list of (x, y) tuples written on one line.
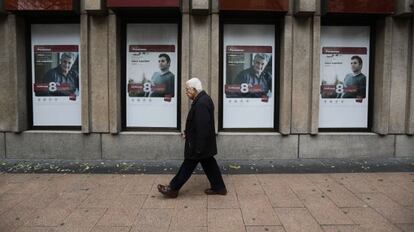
[(406, 227), (153, 220), (397, 215), (246, 185), (264, 229), (282, 196), (157, 201), (111, 229), (343, 202), (189, 218), (228, 201), (342, 228), (49, 217), (10, 200), (39, 200), (36, 229), (378, 200), (225, 220), (324, 210), (192, 201), (189, 229), (297, 220), (82, 220), (340, 195), (354, 182), (139, 184), (257, 210), (68, 200), (119, 217), (370, 220), (15, 217)]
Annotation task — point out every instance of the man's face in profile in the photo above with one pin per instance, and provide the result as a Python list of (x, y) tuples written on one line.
[(65, 65), (356, 66), (258, 65), (163, 64), (190, 92)]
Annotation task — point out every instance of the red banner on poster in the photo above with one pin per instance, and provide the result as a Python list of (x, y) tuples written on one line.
[(56, 48), (255, 49), (45, 87), (329, 89), (237, 88), (344, 50), (151, 48), (135, 88)]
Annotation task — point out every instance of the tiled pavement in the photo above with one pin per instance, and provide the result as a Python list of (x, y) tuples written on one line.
[(267, 202)]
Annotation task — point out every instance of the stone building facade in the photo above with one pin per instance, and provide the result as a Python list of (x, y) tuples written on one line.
[(102, 135)]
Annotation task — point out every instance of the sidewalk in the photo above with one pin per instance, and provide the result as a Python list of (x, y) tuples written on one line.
[(264, 202)]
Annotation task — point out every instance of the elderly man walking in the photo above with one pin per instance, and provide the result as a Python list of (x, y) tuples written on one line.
[(200, 144)]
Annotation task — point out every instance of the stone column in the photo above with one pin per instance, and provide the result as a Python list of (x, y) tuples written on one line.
[(98, 73), (114, 72), (382, 82), (399, 75), (285, 103), (13, 75)]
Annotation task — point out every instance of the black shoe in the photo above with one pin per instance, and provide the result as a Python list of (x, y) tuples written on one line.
[(167, 191), (210, 191)]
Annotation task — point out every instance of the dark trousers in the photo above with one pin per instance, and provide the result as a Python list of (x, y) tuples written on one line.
[(210, 167)]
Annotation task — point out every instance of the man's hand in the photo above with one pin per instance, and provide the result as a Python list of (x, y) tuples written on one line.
[(182, 135)]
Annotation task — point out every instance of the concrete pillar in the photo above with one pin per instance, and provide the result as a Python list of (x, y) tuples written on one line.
[(302, 74), (13, 76), (285, 103), (399, 75), (315, 64), (200, 6), (200, 35), (98, 73), (6, 83), (214, 65), (214, 6), (93, 6), (382, 82), (410, 103), (114, 85), (84, 40), (185, 6), (303, 7), (185, 66), (200, 56), (403, 7), (2, 146)]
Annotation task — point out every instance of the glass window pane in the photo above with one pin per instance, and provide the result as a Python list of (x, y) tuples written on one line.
[(344, 68), (151, 96), (56, 74), (248, 73)]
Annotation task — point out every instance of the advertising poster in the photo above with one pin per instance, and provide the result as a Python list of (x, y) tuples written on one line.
[(56, 75), (151, 75), (248, 78), (344, 77)]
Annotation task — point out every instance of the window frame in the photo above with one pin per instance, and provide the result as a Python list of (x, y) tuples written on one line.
[(44, 19), (245, 18), (356, 20), (149, 17)]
